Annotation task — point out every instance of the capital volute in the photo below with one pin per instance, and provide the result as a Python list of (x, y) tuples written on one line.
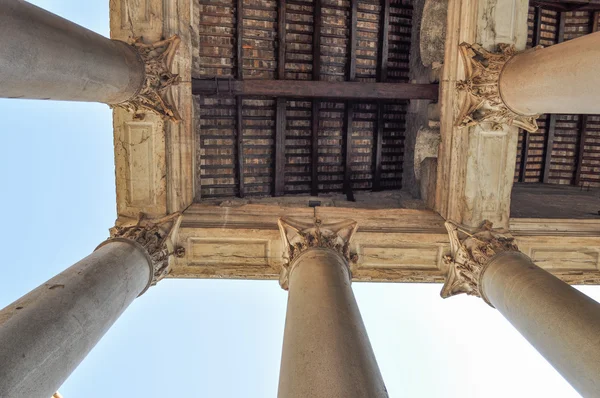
[(479, 94), (299, 236), (470, 254)]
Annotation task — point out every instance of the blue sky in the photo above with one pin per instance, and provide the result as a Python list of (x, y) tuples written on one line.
[(218, 338)]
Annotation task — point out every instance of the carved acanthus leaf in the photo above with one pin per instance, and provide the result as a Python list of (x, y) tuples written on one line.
[(155, 237), (481, 101), (470, 255), (298, 236), (155, 95)]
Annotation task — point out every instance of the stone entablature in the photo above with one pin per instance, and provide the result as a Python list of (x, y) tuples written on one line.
[(392, 245), (155, 165)]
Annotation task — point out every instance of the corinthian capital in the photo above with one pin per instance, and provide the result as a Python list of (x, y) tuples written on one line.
[(154, 95), (156, 237), (470, 255), (299, 236), (479, 95)]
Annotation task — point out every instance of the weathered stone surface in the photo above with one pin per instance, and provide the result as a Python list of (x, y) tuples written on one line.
[(426, 146), (476, 165), (428, 180), (154, 158), (433, 31)]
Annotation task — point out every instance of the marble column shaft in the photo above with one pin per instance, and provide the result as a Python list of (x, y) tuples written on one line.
[(326, 350), (46, 333), (562, 323), (44, 56), (562, 78)]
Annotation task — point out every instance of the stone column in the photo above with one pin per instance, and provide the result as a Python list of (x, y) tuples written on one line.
[(44, 56), (326, 350), (562, 78), (562, 323), (46, 333)]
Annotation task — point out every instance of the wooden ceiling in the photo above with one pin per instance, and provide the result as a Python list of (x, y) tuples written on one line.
[(566, 148), (264, 130)]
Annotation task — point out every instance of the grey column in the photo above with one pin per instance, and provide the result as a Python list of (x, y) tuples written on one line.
[(45, 334), (558, 79), (44, 56), (326, 350), (562, 323)]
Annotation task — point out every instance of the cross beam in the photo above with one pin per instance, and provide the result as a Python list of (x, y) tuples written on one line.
[(315, 89)]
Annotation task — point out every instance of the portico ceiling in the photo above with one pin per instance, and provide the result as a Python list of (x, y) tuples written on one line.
[(333, 141)]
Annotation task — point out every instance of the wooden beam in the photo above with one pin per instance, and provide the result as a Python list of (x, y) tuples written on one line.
[(566, 5), (318, 21), (315, 89), (537, 26), (595, 21), (281, 39), (240, 39), (349, 118), (353, 41), (551, 123), (524, 154), (280, 125), (314, 191), (378, 138), (240, 148), (384, 42), (382, 73), (581, 147)]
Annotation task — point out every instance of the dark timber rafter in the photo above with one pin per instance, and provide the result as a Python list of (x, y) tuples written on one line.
[(350, 106), (315, 89), (239, 118), (551, 119), (280, 125), (316, 104), (382, 62)]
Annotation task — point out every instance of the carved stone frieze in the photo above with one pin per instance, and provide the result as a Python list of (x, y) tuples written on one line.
[(154, 95), (479, 95), (470, 255), (155, 237), (298, 236)]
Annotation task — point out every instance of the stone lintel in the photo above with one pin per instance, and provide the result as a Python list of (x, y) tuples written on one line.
[(392, 245)]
